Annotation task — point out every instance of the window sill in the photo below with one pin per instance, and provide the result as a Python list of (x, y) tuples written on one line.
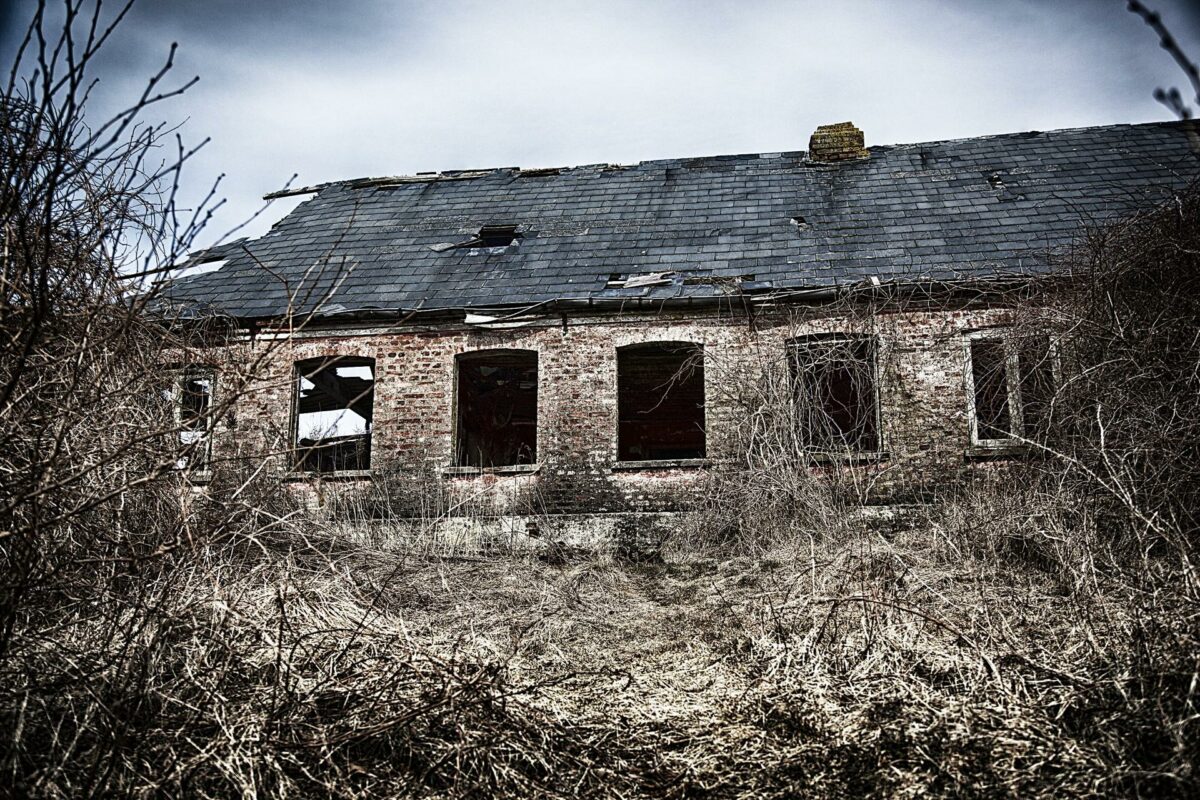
[(509, 469), (872, 457), (997, 451), (664, 463), (344, 474)]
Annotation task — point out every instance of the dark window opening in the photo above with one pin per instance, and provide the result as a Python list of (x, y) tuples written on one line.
[(497, 236), (1035, 360), (497, 408), (195, 395), (989, 375), (1012, 387), (660, 402), (834, 385), (334, 409)]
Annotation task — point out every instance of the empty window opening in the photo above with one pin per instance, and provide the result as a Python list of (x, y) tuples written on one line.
[(989, 375), (334, 409), (835, 392), (1011, 387), (660, 401), (194, 417), (497, 408), (496, 236)]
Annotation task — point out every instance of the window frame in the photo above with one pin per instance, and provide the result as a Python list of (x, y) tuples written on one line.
[(795, 343), (456, 466), (1005, 335), (296, 458), (697, 350), (203, 470)]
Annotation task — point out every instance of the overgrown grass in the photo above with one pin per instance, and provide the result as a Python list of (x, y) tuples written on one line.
[(985, 650)]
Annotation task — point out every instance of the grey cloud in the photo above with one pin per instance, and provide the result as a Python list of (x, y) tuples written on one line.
[(338, 90)]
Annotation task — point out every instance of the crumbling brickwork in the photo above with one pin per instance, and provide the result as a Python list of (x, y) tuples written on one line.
[(923, 403), (839, 142)]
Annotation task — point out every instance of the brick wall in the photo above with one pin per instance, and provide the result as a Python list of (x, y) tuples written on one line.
[(842, 141), (924, 423)]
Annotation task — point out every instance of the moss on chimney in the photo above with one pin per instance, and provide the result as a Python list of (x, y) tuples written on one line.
[(839, 142)]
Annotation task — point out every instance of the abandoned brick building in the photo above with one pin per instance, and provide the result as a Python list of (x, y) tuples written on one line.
[(606, 335)]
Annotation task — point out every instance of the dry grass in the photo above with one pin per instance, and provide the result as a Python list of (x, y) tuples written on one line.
[(1004, 644), (965, 656)]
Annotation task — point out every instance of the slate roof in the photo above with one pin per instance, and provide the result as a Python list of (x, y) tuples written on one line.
[(963, 209)]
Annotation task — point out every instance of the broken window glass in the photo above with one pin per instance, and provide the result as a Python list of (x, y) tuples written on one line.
[(660, 402), (497, 408), (194, 393), (836, 400), (334, 409)]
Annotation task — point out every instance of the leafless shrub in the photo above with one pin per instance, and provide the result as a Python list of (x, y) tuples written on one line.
[(806, 438), (89, 448), (392, 492), (143, 647), (1028, 639), (1126, 418)]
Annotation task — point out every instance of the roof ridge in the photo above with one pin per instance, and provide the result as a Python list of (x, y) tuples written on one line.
[(468, 174), (1004, 204), (1026, 134)]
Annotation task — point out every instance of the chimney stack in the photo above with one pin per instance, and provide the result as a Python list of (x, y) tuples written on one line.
[(839, 142)]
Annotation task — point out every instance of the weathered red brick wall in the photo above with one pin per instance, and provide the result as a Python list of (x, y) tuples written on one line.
[(924, 406)]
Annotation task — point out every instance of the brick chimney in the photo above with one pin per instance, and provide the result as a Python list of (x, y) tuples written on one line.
[(839, 142)]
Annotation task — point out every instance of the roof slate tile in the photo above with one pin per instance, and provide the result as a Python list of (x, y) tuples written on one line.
[(907, 212)]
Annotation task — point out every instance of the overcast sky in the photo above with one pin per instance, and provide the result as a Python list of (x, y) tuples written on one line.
[(334, 90)]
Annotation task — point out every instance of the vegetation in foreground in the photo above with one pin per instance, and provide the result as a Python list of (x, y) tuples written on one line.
[(1033, 637), (978, 650)]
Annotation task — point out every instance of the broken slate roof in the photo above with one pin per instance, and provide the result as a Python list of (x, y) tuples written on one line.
[(974, 208)]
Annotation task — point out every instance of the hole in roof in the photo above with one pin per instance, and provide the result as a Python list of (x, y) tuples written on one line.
[(799, 222), (497, 236), (200, 268), (1006, 193)]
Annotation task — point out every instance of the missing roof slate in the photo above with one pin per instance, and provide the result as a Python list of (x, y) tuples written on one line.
[(538, 172), (944, 221), (489, 236), (717, 280), (635, 280), (995, 179), (498, 236)]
